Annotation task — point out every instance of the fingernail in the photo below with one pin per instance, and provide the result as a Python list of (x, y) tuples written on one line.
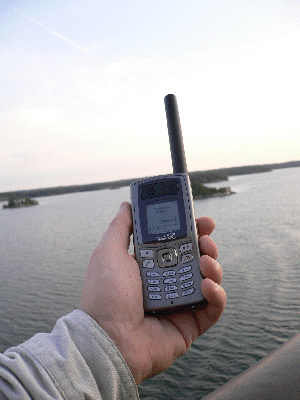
[(122, 204)]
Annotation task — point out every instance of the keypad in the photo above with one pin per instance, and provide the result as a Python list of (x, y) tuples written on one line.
[(165, 277)]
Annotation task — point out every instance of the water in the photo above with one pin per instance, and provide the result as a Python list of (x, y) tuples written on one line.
[(44, 252)]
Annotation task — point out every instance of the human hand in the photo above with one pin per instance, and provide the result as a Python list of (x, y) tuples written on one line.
[(112, 296)]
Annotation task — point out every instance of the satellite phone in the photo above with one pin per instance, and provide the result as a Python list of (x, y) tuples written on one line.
[(164, 231)]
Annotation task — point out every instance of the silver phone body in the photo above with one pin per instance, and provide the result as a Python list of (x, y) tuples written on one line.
[(166, 242)]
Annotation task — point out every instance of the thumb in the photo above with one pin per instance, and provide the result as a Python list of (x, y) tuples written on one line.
[(120, 229)]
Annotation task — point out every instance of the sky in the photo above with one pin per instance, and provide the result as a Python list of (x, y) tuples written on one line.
[(82, 86)]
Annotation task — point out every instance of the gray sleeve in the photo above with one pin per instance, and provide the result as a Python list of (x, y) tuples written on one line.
[(77, 360)]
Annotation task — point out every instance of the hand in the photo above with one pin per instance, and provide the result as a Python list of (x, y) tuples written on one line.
[(112, 296)]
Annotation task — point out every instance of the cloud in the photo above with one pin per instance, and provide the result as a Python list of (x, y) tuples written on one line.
[(80, 48)]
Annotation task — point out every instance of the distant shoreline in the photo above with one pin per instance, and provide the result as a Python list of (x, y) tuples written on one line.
[(208, 176)]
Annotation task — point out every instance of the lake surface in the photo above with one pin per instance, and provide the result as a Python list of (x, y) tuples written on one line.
[(45, 250)]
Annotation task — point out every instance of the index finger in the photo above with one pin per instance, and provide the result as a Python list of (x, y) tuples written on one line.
[(205, 225)]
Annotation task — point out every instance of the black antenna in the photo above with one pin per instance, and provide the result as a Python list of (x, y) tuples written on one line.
[(175, 135)]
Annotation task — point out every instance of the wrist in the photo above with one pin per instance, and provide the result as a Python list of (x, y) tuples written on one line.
[(132, 346)]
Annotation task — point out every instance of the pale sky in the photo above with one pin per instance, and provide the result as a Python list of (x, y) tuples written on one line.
[(82, 86)]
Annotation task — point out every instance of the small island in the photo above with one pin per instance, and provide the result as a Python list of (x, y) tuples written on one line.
[(200, 191), (24, 202)]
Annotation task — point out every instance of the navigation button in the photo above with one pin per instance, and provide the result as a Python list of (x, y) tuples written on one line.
[(167, 257)]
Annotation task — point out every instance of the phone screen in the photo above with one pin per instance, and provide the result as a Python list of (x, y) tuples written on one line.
[(162, 217)]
